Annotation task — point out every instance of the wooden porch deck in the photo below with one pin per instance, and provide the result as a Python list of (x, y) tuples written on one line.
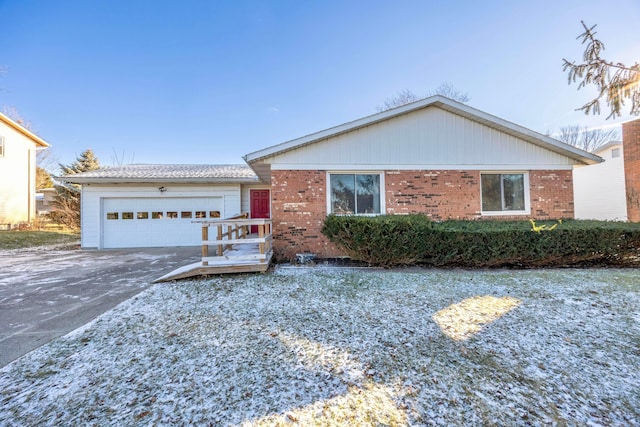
[(235, 249)]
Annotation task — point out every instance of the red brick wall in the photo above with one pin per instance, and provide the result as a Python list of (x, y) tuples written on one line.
[(551, 194), (440, 194), (298, 210), (631, 149), (299, 202)]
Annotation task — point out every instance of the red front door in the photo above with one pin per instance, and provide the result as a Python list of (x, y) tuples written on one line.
[(260, 205)]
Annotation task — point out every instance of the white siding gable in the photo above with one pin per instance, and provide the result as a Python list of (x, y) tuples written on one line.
[(429, 138)]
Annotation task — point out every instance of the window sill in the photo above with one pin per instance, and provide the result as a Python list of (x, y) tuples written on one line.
[(505, 213), (355, 214)]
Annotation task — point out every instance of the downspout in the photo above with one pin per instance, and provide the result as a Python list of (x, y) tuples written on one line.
[(30, 195)]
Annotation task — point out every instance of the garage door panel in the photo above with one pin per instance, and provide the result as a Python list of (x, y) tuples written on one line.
[(151, 224)]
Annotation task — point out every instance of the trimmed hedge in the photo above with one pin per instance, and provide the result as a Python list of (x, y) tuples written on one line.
[(391, 240)]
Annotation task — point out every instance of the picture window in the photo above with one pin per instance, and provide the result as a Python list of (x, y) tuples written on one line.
[(355, 194), (504, 192)]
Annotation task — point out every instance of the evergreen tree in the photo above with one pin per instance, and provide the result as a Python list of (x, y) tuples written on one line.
[(616, 82), (87, 161), (67, 202)]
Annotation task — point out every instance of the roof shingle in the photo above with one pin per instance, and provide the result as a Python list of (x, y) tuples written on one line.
[(149, 173)]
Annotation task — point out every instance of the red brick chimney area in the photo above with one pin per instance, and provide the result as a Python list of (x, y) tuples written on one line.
[(631, 148)]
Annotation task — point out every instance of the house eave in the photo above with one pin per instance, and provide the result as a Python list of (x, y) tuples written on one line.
[(108, 181), (24, 131)]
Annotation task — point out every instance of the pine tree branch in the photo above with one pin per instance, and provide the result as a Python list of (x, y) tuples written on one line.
[(614, 81)]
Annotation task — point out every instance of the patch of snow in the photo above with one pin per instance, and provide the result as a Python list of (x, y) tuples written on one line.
[(336, 346)]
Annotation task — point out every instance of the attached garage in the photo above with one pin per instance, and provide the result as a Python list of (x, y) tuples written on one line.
[(136, 206)]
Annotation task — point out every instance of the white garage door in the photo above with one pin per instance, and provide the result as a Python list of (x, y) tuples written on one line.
[(156, 222)]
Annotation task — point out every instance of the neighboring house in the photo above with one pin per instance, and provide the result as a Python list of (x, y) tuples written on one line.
[(599, 190), (45, 198), (156, 205), (435, 156), (18, 147)]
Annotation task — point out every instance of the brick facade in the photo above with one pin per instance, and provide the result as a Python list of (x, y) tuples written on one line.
[(299, 202), (551, 194), (631, 148), (298, 210), (440, 194)]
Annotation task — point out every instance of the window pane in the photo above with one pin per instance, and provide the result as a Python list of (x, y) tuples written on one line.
[(214, 214), (172, 215), (143, 215), (513, 188), (112, 215), (343, 194), (127, 215), (156, 215), (491, 192), (185, 214), (368, 193), (201, 214)]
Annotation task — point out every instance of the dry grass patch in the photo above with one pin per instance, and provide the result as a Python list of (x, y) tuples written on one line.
[(29, 239)]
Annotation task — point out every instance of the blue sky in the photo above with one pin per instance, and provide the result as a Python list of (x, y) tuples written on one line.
[(210, 81)]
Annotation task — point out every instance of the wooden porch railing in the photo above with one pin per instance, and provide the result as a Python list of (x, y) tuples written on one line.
[(232, 232)]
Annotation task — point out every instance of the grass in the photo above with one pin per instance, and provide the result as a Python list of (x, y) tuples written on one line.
[(29, 239), (332, 347)]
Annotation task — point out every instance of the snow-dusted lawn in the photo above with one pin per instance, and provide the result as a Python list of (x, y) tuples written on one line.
[(328, 346)]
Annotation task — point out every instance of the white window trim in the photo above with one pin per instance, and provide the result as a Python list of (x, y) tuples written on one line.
[(383, 202), (527, 194)]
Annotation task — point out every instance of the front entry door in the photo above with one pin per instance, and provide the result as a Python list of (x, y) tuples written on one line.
[(260, 205)]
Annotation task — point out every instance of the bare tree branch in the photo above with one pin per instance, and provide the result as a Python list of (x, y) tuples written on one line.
[(407, 96), (447, 90), (587, 139)]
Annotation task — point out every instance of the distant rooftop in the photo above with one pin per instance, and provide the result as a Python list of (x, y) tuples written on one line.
[(606, 146), (165, 173)]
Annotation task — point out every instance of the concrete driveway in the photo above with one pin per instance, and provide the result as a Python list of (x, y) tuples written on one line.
[(45, 294)]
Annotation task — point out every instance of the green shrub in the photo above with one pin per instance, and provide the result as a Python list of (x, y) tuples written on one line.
[(385, 240), (402, 240)]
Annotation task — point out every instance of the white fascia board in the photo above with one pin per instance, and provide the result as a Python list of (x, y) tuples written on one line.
[(73, 180), (418, 167), (607, 146), (24, 131)]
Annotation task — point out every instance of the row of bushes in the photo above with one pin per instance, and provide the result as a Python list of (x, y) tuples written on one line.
[(391, 240)]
